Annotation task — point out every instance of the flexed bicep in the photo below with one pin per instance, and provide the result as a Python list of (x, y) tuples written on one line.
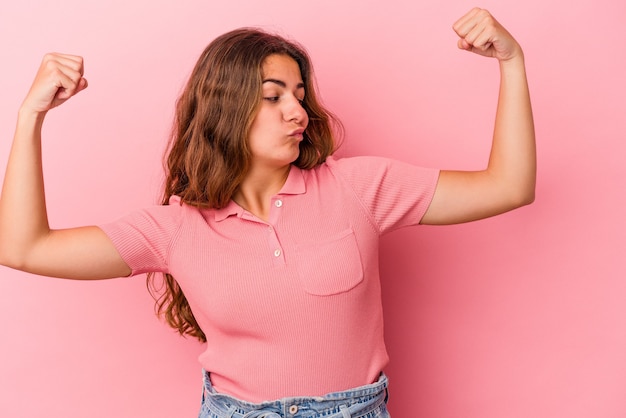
[(464, 196), (76, 253), (509, 179), (26, 240)]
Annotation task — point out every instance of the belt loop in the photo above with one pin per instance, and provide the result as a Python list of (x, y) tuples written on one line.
[(345, 412)]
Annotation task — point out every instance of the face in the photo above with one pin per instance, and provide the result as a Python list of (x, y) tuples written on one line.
[(278, 127)]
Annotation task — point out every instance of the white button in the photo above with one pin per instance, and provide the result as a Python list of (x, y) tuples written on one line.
[(293, 409), (276, 253), (278, 203)]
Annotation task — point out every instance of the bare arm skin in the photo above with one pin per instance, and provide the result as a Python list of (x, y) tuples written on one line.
[(508, 182), (26, 241)]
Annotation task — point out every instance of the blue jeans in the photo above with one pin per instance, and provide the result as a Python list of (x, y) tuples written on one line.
[(368, 401)]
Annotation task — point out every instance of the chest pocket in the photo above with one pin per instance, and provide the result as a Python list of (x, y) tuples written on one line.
[(331, 266)]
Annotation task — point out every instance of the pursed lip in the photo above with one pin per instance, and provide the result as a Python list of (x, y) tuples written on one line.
[(297, 133)]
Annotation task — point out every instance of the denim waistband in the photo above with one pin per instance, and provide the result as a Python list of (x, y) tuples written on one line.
[(364, 401)]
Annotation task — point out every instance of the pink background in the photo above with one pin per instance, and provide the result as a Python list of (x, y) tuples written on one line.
[(518, 316)]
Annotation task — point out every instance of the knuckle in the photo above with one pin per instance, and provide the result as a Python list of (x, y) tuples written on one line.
[(54, 68), (48, 62), (51, 58), (51, 65)]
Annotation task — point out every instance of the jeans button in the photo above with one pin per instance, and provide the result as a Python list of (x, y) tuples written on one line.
[(293, 409)]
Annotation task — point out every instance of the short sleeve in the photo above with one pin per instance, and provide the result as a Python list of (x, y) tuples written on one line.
[(143, 238), (395, 194)]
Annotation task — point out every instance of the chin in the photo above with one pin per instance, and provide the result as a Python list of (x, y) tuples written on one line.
[(294, 156)]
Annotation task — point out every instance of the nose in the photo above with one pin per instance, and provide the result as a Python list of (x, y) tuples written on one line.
[(294, 112)]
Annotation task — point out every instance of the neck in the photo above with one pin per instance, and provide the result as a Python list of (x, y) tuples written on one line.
[(255, 192)]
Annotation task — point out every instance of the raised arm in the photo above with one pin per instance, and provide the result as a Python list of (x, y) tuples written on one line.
[(508, 182), (26, 241)]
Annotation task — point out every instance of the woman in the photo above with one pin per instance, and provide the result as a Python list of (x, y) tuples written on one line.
[(268, 243)]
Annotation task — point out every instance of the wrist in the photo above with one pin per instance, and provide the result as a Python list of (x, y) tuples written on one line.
[(29, 120), (516, 61), (28, 115), (516, 54)]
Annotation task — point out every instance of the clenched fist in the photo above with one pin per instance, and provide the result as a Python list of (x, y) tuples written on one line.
[(59, 77), (479, 32)]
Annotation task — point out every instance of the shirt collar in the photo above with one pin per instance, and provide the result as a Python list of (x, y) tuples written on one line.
[(295, 182), (294, 185), (229, 210)]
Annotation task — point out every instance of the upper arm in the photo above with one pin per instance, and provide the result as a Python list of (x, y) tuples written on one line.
[(76, 253), (463, 196)]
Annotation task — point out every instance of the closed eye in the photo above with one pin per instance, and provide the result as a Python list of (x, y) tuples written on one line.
[(275, 99)]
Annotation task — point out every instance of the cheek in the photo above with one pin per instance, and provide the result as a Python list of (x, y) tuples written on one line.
[(265, 120)]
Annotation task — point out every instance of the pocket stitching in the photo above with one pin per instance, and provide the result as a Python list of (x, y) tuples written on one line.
[(311, 256)]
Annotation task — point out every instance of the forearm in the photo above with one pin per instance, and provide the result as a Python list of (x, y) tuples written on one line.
[(512, 162), (23, 216)]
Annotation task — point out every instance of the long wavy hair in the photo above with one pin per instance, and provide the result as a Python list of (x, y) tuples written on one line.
[(208, 155)]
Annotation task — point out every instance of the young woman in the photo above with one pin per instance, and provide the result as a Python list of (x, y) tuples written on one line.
[(268, 244)]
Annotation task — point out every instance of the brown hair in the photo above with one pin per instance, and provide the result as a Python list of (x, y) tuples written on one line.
[(208, 155)]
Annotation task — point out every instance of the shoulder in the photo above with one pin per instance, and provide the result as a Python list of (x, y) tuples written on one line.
[(356, 162), (349, 166), (370, 168), (163, 219)]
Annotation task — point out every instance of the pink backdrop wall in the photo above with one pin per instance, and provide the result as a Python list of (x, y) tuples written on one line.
[(517, 316)]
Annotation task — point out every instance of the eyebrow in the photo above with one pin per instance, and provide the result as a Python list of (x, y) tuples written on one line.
[(282, 83)]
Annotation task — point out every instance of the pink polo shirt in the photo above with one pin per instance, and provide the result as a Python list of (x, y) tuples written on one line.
[(292, 306)]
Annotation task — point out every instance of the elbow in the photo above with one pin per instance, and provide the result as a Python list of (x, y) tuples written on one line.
[(527, 200), (517, 190), (524, 197)]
